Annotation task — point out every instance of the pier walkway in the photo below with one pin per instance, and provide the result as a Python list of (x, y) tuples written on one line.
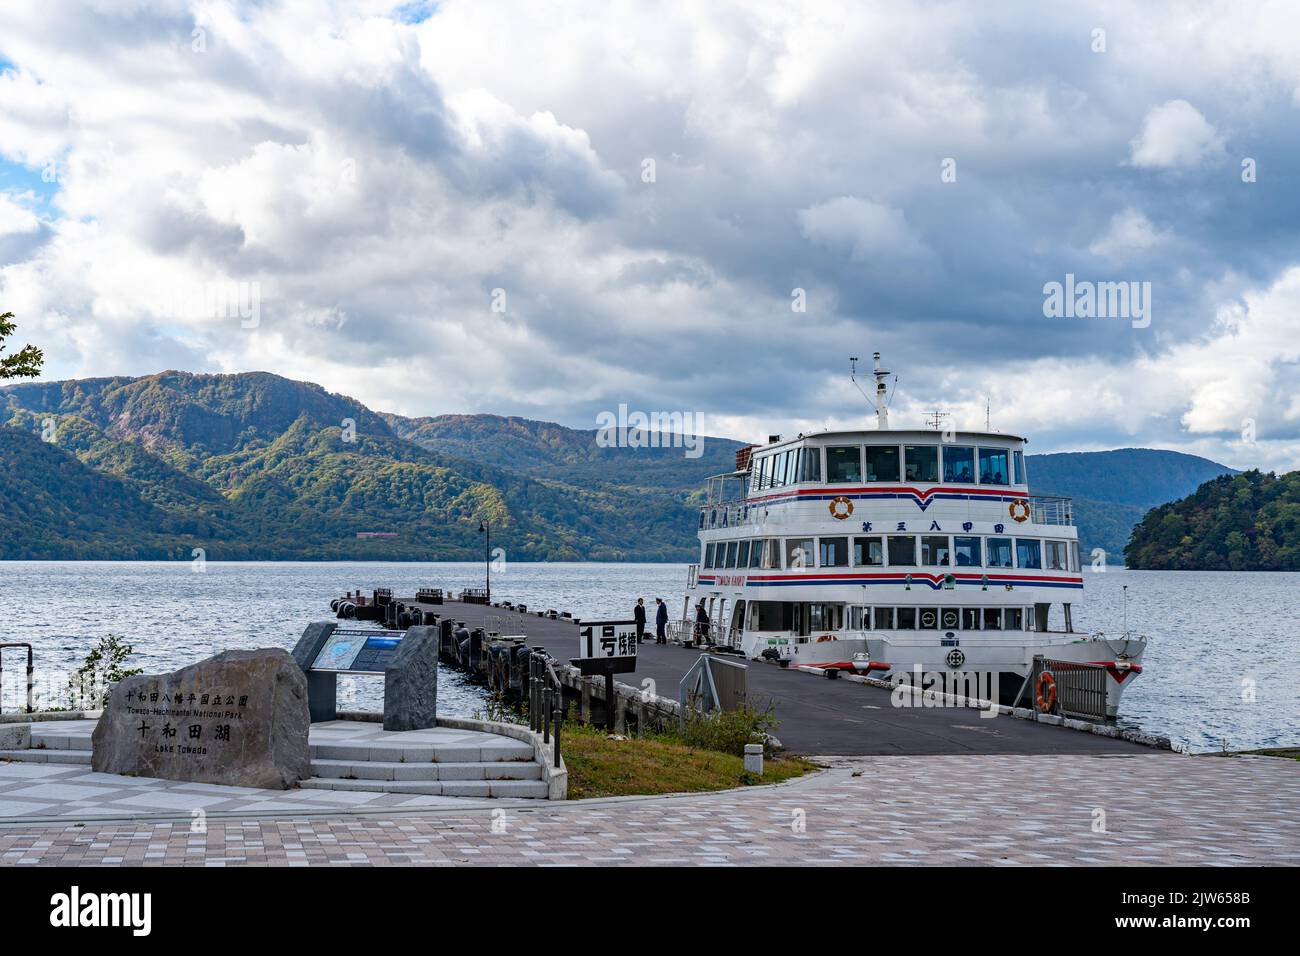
[(817, 715)]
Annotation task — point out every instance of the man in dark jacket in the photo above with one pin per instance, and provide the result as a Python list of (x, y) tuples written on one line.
[(701, 623), (638, 615), (661, 622)]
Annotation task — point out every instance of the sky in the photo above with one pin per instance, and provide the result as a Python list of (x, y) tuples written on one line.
[(551, 209)]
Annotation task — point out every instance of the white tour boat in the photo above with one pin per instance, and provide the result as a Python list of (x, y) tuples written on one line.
[(899, 552)]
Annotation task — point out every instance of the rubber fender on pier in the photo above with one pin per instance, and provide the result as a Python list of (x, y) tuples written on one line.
[(334, 605), (347, 610)]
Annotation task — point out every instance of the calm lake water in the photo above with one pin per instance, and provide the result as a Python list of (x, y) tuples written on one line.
[(1222, 668)]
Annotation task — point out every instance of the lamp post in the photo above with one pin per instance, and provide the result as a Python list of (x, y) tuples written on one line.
[(485, 528)]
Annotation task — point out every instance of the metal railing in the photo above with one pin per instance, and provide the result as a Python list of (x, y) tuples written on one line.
[(1080, 688), (545, 699), (728, 515), (1050, 509), (30, 682)]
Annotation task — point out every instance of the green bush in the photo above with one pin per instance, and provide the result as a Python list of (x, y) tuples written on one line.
[(727, 731)]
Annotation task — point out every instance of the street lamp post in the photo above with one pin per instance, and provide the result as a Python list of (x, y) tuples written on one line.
[(485, 528)]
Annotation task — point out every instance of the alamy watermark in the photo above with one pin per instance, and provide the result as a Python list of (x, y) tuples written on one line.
[(651, 430), (1098, 300), (213, 300)]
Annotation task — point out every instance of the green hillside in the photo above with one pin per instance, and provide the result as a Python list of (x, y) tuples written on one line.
[(256, 466), (1112, 490), (1241, 522)]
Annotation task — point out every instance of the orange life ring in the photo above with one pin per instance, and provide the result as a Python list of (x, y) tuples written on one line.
[(841, 507), (1019, 509), (1046, 692), (824, 638)]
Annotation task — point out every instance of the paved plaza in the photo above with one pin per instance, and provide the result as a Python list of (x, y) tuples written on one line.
[(1144, 809)]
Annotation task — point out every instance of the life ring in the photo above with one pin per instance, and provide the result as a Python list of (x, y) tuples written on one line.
[(841, 507), (824, 638), (1019, 509), (1046, 692)]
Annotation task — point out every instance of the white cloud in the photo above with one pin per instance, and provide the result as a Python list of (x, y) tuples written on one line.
[(865, 230), (379, 179), (1130, 232), (1175, 135)]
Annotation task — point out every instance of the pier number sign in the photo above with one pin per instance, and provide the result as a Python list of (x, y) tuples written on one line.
[(598, 639)]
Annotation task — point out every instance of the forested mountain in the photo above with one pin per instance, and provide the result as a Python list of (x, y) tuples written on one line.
[(1112, 490), (1241, 522), (255, 466)]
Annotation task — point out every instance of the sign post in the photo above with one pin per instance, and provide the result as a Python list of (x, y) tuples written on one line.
[(606, 648)]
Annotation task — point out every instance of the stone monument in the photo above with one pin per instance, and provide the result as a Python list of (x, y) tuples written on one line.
[(239, 718)]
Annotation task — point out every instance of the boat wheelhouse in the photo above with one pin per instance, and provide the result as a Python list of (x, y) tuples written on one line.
[(895, 550)]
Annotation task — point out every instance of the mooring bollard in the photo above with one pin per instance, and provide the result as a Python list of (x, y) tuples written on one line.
[(754, 759)]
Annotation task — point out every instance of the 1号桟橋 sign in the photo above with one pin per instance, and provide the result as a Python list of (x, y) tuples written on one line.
[(606, 648)]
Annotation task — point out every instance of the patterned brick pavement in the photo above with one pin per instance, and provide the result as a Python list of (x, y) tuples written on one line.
[(1159, 809)]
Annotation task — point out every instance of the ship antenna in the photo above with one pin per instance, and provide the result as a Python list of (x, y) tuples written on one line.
[(853, 377)]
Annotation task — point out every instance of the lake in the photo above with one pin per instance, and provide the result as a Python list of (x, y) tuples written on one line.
[(1221, 670)]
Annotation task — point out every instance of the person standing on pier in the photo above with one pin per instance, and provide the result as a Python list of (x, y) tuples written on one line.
[(638, 615), (701, 623), (661, 622)]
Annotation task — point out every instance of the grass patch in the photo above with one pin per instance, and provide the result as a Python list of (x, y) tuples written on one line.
[(641, 766)]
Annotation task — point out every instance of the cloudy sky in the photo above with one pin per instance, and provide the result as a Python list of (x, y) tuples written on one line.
[(550, 209)]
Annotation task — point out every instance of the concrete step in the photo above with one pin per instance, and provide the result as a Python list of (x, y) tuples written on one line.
[(36, 755), (392, 770), (47, 740), (501, 749), (533, 789)]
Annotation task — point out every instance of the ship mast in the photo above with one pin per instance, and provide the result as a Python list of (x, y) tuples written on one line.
[(882, 408)]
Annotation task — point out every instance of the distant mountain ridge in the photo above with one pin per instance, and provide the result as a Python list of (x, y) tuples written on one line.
[(256, 466), (1112, 490)]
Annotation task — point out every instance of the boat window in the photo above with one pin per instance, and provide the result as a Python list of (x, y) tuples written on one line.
[(882, 463), (708, 556), (993, 619), (1074, 556), (907, 619), (868, 552), (970, 618), (1019, 458), (833, 552), (884, 618), (1014, 618), (792, 472), (859, 618), (1000, 553), (950, 618), (1029, 553), (772, 554), (731, 553), (812, 464), (902, 550), (993, 467), (778, 469), (934, 550), (769, 463), (742, 558), (799, 553), (966, 551), (929, 618), (1057, 556), (921, 462), (756, 553), (959, 464), (843, 464)]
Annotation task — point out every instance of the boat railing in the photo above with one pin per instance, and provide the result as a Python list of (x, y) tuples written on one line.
[(692, 576), (1051, 509), (728, 515)]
